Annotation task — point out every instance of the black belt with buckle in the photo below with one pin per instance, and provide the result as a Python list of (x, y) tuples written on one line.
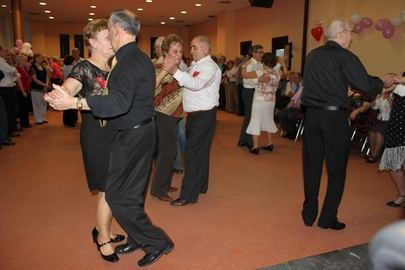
[(327, 108), (143, 122), (140, 124)]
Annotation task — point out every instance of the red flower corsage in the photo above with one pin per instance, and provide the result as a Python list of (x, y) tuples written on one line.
[(195, 73), (101, 82)]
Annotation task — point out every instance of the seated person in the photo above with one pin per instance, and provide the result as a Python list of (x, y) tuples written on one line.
[(288, 116)]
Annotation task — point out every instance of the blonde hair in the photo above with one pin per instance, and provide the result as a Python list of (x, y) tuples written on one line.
[(20, 58), (169, 40), (92, 28)]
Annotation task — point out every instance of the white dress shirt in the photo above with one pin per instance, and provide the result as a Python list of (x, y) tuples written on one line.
[(252, 65), (200, 85), (10, 74)]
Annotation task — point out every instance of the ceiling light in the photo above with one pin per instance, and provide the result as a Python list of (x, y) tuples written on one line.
[(139, 9), (148, 1), (183, 12), (4, 6), (172, 18), (51, 17), (162, 23), (42, 3), (92, 6), (92, 13), (198, 5), (90, 19), (47, 11)]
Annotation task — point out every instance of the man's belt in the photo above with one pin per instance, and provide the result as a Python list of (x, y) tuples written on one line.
[(327, 108), (140, 124)]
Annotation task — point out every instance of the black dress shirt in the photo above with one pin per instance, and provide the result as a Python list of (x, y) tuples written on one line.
[(131, 87), (329, 70)]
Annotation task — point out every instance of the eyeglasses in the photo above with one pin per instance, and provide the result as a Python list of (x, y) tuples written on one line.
[(258, 51), (349, 30)]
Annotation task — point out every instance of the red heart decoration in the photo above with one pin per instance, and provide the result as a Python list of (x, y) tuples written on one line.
[(317, 32)]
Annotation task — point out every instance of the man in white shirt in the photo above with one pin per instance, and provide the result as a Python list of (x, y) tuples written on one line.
[(251, 70), (9, 95), (200, 101)]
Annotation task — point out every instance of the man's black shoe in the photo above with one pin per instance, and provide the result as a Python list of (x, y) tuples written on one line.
[(126, 248), (337, 226), (152, 257)]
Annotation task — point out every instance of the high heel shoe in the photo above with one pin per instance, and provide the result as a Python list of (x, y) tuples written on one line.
[(395, 204), (110, 258), (268, 147), (254, 151), (118, 238)]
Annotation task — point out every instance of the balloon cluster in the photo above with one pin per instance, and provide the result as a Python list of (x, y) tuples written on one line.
[(384, 25), (360, 23), (24, 48)]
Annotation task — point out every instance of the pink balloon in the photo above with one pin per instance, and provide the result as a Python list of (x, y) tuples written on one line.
[(19, 43), (366, 22), (388, 31), (358, 28), (381, 24)]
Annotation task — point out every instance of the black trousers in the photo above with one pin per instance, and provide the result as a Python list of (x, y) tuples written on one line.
[(23, 109), (165, 154), (70, 117), (288, 119), (9, 95), (3, 121), (247, 96), (326, 135), (200, 127), (130, 161)]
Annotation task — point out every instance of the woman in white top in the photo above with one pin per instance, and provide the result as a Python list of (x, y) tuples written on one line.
[(393, 158), (376, 132), (264, 99)]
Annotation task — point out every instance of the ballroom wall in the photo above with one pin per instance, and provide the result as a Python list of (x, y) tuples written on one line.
[(378, 54), (259, 25)]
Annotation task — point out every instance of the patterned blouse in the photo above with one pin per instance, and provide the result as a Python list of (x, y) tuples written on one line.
[(267, 90), (92, 78), (168, 96)]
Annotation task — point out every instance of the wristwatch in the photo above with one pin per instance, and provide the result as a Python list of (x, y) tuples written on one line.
[(79, 104)]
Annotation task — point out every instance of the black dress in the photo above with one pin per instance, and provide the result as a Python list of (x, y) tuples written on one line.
[(393, 157), (94, 139)]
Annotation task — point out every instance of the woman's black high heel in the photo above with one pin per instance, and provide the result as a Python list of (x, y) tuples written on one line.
[(116, 239), (110, 258)]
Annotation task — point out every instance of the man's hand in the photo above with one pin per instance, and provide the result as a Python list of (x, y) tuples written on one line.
[(170, 65)]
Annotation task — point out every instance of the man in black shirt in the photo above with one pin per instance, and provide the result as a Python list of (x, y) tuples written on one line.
[(129, 108), (329, 70)]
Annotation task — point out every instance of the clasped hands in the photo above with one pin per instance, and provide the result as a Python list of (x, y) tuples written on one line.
[(59, 98), (170, 64)]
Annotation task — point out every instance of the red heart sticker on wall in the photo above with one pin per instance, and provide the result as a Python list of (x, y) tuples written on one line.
[(317, 32)]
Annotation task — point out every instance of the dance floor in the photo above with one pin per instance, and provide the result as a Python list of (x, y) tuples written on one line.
[(249, 219)]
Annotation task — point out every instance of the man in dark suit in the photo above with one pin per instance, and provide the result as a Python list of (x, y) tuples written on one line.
[(129, 106), (329, 70)]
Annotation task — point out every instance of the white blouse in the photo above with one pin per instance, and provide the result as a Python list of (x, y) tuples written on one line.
[(384, 108)]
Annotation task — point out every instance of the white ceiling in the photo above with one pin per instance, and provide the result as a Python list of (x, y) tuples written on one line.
[(159, 10)]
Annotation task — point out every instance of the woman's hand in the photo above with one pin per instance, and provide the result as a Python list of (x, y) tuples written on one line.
[(59, 99)]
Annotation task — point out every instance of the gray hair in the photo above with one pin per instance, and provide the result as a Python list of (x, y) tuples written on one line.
[(159, 41), (127, 20), (336, 27), (205, 40)]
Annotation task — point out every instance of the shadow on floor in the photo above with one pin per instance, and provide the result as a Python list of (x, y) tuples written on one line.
[(354, 258)]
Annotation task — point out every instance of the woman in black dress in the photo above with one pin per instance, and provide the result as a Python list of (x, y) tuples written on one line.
[(89, 78), (393, 158)]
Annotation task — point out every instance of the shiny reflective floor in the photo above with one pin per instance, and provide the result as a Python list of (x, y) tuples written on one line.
[(249, 219)]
